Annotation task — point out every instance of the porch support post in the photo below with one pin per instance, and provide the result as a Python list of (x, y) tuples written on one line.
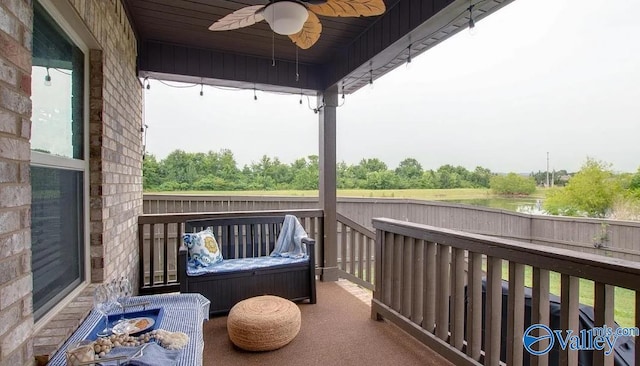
[(329, 101)]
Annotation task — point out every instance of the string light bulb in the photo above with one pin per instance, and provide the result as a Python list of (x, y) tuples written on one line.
[(409, 55), (255, 97), (300, 98), (472, 23), (47, 78), (201, 91), (148, 83)]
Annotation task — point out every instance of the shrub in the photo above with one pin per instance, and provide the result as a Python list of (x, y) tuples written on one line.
[(512, 184)]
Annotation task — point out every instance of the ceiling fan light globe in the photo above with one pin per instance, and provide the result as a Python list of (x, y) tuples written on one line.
[(286, 17)]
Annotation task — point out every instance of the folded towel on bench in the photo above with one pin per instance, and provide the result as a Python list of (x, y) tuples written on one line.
[(289, 243)]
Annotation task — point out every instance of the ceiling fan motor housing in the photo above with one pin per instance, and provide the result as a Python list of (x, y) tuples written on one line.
[(286, 17)]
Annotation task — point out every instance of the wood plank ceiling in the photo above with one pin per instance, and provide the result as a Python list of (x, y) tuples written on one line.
[(175, 43)]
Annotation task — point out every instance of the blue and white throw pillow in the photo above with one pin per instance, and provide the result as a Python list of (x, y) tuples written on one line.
[(203, 248)]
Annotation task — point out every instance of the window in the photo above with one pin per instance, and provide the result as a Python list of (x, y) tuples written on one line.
[(59, 167)]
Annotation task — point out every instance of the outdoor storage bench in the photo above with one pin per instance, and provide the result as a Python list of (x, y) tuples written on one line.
[(247, 270)]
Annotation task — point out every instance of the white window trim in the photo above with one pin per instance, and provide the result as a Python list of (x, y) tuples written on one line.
[(74, 27), (52, 161)]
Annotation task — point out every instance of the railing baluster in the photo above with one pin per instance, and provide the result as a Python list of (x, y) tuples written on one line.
[(397, 272), (343, 246), (474, 306), (152, 254), (493, 314), (352, 251), (366, 259), (362, 242), (379, 284), (540, 309), (312, 228), (458, 271), (418, 283), (570, 293), (407, 278), (174, 258), (515, 313), (603, 306), (320, 249), (388, 268), (443, 289), (165, 254), (429, 282)]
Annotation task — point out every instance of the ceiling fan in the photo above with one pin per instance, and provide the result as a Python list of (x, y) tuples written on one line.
[(298, 19)]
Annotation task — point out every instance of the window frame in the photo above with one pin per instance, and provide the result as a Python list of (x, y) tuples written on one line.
[(72, 25)]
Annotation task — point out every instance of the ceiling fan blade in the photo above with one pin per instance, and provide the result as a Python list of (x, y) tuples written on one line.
[(309, 34), (240, 18), (349, 8)]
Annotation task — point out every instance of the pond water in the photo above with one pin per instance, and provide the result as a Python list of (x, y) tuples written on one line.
[(524, 205)]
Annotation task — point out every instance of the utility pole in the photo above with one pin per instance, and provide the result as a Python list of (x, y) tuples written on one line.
[(547, 170)]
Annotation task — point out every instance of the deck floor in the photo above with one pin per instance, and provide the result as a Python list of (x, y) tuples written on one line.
[(338, 330)]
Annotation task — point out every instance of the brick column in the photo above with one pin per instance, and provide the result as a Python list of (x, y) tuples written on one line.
[(16, 320)]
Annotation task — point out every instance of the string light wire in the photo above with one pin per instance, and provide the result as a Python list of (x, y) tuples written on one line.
[(297, 71)]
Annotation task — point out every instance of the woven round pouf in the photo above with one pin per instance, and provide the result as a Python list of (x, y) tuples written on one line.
[(263, 323)]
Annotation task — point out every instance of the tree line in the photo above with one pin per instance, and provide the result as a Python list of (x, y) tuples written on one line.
[(594, 191), (218, 171)]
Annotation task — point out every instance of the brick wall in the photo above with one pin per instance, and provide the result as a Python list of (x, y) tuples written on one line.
[(115, 160), (115, 141), (16, 320)]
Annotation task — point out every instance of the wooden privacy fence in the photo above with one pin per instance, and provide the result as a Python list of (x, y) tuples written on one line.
[(174, 203), (160, 237), (613, 238), (429, 281)]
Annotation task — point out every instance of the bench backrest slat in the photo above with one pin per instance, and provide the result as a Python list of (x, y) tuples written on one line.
[(242, 237)]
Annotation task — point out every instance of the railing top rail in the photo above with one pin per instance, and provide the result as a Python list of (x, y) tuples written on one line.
[(182, 217), (613, 271), (361, 229), (589, 220)]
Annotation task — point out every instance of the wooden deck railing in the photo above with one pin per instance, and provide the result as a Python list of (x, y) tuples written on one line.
[(356, 245), (429, 281), (159, 238)]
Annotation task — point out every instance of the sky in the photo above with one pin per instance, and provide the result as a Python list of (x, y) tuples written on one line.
[(539, 76)]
